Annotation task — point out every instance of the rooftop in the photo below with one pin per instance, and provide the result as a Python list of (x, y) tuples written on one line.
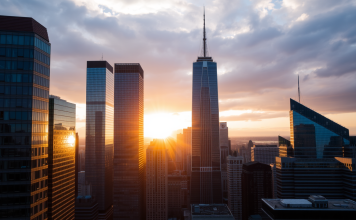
[(210, 209), (304, 204)]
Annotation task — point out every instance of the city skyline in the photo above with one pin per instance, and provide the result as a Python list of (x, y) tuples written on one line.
[(266, 40)]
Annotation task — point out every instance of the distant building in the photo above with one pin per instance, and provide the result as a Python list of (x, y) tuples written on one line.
[(315, 136), (177, 194), (129, 152), (334, 178), (210, 211), (81, 182), (61, 159), (77, 163), (179, 151), (234, 171), (156, 181), (99, 142), (187, 150), (315, 207), (264, 153), (224, 152), (224, 142), (256, 181), (86, 206)]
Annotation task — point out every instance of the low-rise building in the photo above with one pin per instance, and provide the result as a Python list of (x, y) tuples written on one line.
[(315, 207)]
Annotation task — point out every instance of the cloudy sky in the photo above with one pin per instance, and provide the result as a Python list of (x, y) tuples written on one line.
[(260, 47)]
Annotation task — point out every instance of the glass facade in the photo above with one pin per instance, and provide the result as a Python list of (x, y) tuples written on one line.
[(61, 159), (315, 136), (206, 174), (129, 153), (99, 133), (24, 88)]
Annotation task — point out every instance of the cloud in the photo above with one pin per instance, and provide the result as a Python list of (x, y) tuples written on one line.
[(261, 47)]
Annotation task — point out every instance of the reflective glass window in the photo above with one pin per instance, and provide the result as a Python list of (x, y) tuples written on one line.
[(15, 39), (21, 40), (9, 39), (3, 39), (2, 52)]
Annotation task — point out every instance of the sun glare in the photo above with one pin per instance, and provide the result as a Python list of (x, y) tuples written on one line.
[(162, 124)]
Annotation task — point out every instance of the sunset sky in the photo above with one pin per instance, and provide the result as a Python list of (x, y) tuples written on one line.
[(260, 48)]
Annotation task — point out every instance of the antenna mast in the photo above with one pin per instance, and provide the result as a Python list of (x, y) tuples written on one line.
[(298, 90), (204, 38)]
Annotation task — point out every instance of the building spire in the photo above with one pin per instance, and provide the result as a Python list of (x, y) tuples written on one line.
[(204, 37), (298, 90)]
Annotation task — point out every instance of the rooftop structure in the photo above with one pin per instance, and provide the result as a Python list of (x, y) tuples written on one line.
[(315, 207), (210, 211)]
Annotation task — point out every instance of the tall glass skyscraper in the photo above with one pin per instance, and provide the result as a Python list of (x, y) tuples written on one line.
[(24, 87), (99, 134), (206, 173), (315, 136), (61, 159), (129, 153)]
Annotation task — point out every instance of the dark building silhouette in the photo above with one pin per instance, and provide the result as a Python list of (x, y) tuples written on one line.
[(206, 173), (315, 136), (99, 135), (129, 153), (24, 90), (61, 159), (177, 194), (256, 180)]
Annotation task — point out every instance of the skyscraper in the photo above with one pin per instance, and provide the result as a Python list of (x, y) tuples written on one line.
[(61, 159), (206, 174), (256, 181), (234, 170), (129, 153), (264, 153), (315, 136), (99, 134), (157, 181), (187, 150), (24, 90)]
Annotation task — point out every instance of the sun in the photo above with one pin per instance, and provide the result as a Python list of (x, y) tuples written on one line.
[(162, 124)]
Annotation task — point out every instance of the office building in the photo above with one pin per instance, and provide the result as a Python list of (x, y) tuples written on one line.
[(274, 180), (210, 211), (157, 181), (86, 206), (285, 148), (81, 181), (24, 91), (256, 184), (99, 134), (177, 194), (179, 151), (77, 163), (315, 136), (234, 171), (187, 150), (264, 153), (61, 159), (224, 142), (129, 153), (245, 152), (206, 173), (334, 178), (315, 207)]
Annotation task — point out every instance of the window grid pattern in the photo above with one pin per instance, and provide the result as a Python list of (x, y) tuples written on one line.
[(99, 135), (128, 154), (24, 125)]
